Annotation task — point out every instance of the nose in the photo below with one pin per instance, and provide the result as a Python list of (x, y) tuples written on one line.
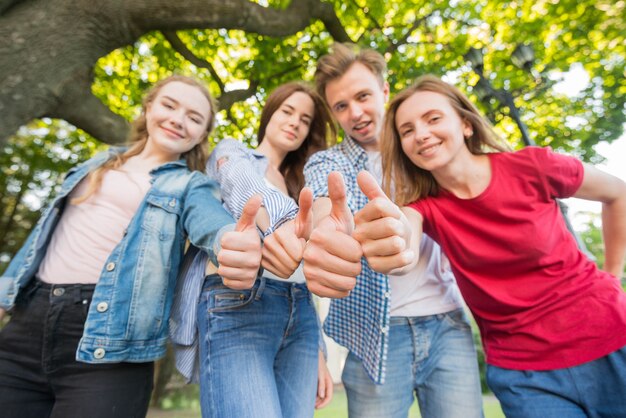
[(294, 120), (355, 111), (177, 118)]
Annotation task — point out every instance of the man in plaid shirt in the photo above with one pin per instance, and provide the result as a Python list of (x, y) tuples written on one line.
[(406, 334)]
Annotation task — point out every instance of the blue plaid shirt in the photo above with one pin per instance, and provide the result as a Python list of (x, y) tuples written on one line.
[(360, 321)]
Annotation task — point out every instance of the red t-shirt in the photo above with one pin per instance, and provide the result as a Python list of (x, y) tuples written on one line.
[(539, 302)]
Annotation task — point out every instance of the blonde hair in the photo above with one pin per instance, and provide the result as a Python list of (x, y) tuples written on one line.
[(342, 56), (195, 157), (410, 181)]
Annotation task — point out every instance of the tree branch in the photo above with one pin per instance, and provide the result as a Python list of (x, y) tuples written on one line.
[(179, 46), (394, 45), (84, 110), (235, 14)]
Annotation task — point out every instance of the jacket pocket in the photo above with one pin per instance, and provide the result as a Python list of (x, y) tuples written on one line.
[(162, 214)]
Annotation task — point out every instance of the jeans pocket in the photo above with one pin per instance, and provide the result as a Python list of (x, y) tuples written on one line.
[(457, 319), (225, 299)]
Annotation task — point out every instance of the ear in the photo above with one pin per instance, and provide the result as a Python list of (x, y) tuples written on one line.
[(386, 91), (468, 130)]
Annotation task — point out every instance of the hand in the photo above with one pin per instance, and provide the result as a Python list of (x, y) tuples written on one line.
[(240, 256), (324, 383), (382, 229), (332, 258), (284, 248)]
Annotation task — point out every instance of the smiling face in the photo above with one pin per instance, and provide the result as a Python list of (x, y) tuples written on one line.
[(357, 101), (177, 120), (432, 133), (289, 125)]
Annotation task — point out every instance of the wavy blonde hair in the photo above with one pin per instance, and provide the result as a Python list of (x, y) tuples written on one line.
[(195, 157), (410, 182)]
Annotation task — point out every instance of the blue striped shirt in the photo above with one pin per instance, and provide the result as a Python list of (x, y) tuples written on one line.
[(240, 172), (360, 321)]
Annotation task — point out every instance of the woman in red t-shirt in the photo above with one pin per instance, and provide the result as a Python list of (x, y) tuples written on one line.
[(553, 324)]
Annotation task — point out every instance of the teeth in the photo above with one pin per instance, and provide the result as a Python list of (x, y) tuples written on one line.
[(361, 125), (429, 149)]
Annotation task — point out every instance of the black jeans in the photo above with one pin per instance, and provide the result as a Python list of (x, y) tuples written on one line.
[(39, 374)]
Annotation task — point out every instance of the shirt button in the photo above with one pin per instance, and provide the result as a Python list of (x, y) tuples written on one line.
[(102, 307), (99, 353), (59, 291), (110, 266), (172, 203), (387, 294), (384, 329)]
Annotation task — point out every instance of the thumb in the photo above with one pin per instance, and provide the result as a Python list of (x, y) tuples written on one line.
[(369, 186), (304, 219), (339, 205), (248, 215)]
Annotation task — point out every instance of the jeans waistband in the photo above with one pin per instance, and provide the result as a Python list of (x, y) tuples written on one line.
[(73, 291), (263, 284)]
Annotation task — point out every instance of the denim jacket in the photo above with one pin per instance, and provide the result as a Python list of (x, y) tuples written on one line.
[(128, 316)]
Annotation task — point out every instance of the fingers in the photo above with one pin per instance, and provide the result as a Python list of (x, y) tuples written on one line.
[(339, 211), (369, 186), (332, 261), (283, 250), (324, 384), (378, 228), (304, 219), (248, 216), (386, 264), (240, 257)]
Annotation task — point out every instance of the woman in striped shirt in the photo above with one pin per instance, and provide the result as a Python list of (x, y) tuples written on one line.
[(266, 339)]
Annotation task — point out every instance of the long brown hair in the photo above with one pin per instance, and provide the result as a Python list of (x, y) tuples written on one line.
[(410, 181), (322, 133), (195, 157)]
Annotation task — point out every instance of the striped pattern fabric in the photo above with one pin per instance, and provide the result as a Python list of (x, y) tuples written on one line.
[(359, 322), (240, 172)]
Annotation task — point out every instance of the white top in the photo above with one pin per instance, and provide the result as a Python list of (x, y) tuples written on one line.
[(429, 288), (88, 232)]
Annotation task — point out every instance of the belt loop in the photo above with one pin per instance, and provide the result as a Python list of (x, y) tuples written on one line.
[(261, 288)]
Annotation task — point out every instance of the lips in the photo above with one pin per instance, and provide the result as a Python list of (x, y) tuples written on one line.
[(290, 135), (361, 126), (172, 133), (429, 150)]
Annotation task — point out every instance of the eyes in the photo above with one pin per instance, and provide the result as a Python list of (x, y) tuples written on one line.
[(191, 115), (408, 129), (360, 97), (288, 111)]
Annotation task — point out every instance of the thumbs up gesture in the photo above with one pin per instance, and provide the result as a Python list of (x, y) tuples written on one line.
[(382, 229), (332, 257), (240, 256), (284, 248)]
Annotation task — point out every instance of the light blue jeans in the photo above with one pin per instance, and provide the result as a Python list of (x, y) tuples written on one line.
[(432, 358), (594, 389), (258, 350)]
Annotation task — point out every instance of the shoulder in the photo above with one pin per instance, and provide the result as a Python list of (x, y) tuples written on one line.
[(331, 156)]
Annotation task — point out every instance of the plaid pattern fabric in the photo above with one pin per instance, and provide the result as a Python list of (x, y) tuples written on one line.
[(360, 321)]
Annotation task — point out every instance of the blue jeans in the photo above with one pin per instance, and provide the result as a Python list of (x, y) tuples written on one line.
[(39, 374), (431, 357), (594, 389), (258, 350)]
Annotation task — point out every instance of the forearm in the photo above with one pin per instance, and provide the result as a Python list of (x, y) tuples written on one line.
[(614, 234)]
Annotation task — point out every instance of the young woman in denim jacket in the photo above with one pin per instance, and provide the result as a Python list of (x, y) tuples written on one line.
[(259, 349), (91, 289)]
